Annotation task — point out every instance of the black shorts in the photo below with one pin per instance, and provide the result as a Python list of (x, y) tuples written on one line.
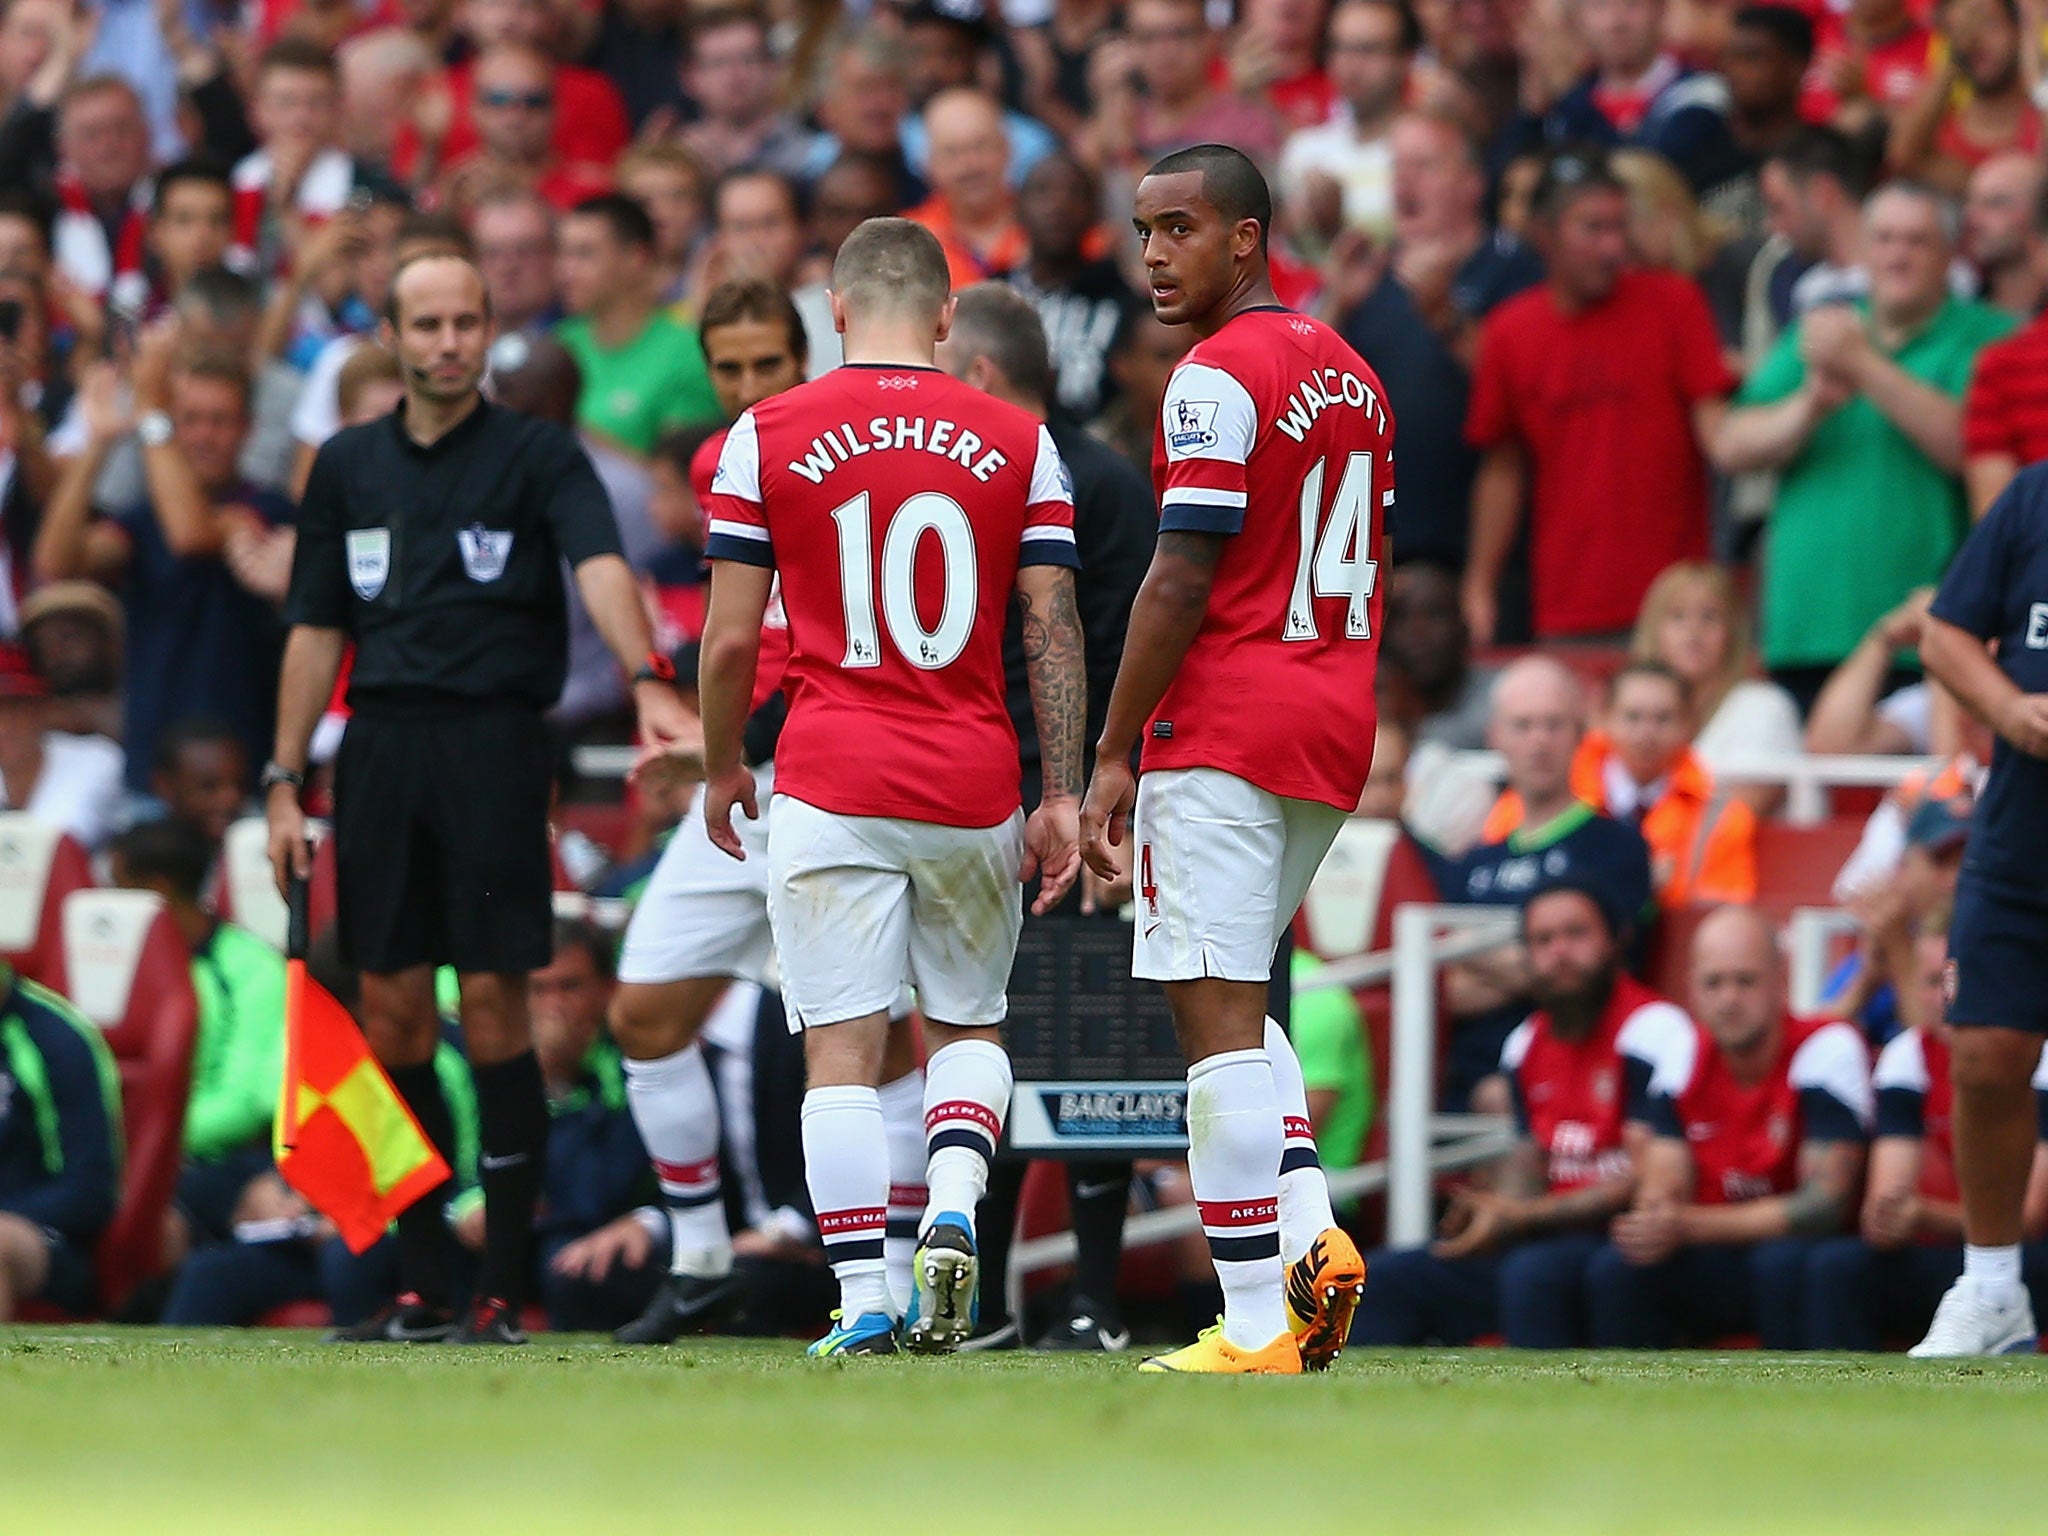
[(1998, 958), (441, 840)]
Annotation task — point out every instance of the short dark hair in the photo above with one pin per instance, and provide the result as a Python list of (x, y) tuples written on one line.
[(791, 188), (297, 53), (892, 264), (437, 229), (677, 446), (626, 217), (755, 299), (1411, 28), (188, 173), (581, 933), (192, 731), (1818, 150), (23, 203), (717, 18), (1643, 666), (1231, 183), (1569, 174), (995, 321), (1618, 924), (1791, 30), (222, 368), (223, 292), (168, 849), (437, 254)]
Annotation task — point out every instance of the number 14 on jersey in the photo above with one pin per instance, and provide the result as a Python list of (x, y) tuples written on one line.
[(1335, 553)]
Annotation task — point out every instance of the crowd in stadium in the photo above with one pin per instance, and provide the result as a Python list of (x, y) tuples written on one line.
[(1707, 328)]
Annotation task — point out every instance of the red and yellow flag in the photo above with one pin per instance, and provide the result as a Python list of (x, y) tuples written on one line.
[(344, 1138)]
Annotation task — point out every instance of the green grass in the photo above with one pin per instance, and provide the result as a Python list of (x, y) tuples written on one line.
[(163, 1433)]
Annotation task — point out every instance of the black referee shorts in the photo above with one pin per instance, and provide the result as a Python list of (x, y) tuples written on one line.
[(1998, 957), (441, 840)]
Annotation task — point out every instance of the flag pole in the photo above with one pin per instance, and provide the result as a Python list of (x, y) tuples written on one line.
[(297, 940)]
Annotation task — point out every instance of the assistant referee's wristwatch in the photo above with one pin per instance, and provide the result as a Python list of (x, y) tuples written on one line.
[(657, 668), (275, 773)]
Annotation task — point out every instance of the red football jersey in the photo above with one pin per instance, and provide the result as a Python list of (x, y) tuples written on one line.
[(1573, 1098), (1745, 1139), (1916, 1100), (774, 657), (1277, 433), (896, 504)]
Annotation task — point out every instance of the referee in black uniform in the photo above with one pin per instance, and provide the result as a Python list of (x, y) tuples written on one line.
[(998, 344), (434, 540)]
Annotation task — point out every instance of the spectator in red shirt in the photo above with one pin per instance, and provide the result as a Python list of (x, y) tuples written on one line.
[(1276, 58), (1974, 106), (1759, 1126), (589, 122), (1513, 1257), (1593, 396), (2005, 411), (516, 110), (1873, 57)]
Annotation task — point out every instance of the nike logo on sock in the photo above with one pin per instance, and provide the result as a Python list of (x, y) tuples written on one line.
[(499, 1164)]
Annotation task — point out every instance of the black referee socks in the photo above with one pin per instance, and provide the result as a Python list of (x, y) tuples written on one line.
[(512, 1121), (424, 1243)]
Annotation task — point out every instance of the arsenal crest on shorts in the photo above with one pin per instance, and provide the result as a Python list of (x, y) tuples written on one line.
[(484, 551), (369, 560)]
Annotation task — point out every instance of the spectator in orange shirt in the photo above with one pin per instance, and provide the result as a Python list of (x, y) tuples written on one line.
[(1641, 769), (970, 209), (516, 107)]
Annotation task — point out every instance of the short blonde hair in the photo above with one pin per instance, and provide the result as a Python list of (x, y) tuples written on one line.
[(1656, 187)]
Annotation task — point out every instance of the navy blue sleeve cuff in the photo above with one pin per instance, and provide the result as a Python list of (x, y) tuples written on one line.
[(1903, 1112), (1827, 1117), (1661, 1114), (726, 546), (1200, 519), (1049, 552), (1635, 1076)]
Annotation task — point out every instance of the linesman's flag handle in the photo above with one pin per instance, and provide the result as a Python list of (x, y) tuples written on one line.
[(344, 1137), (298, 936)]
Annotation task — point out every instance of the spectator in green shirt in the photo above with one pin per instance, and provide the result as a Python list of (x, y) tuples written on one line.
[(1859, 410), (643, 370), (238, 1059), (1336, 1067)]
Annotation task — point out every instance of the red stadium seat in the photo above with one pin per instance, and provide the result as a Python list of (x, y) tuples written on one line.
[(128, 971), (39, 867), (1796, 866)]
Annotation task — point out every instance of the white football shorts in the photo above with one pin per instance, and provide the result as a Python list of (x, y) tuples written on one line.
[(1222, 866), (858, 903), (704, 912)]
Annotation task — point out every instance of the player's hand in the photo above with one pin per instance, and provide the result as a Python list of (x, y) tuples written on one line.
[(290, 854), (1052, 850), (2024, 723), (773, 1244), (624, 1242), (1106, 815), (1477, 1221), (668, 726), (1647, 1235), (723, 791), (1100, 895)]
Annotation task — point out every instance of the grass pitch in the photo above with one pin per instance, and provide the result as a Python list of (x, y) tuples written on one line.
[(167, 1433)]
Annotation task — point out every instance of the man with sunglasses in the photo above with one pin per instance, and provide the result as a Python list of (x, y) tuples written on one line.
[(514, 106)]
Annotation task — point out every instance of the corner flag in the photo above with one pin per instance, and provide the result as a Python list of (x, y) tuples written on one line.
[(343, 1137)]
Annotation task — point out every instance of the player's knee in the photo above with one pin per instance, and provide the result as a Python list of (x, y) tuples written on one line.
[(24, 1255), (399, 1018), (643, 1028), (494, 1018), (1990, 1060)]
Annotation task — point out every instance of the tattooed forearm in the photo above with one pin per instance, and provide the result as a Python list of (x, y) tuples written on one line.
[(1053, 666)]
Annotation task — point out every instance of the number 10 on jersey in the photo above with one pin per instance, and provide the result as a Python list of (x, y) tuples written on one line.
[(927, 649), (1335, 555)]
